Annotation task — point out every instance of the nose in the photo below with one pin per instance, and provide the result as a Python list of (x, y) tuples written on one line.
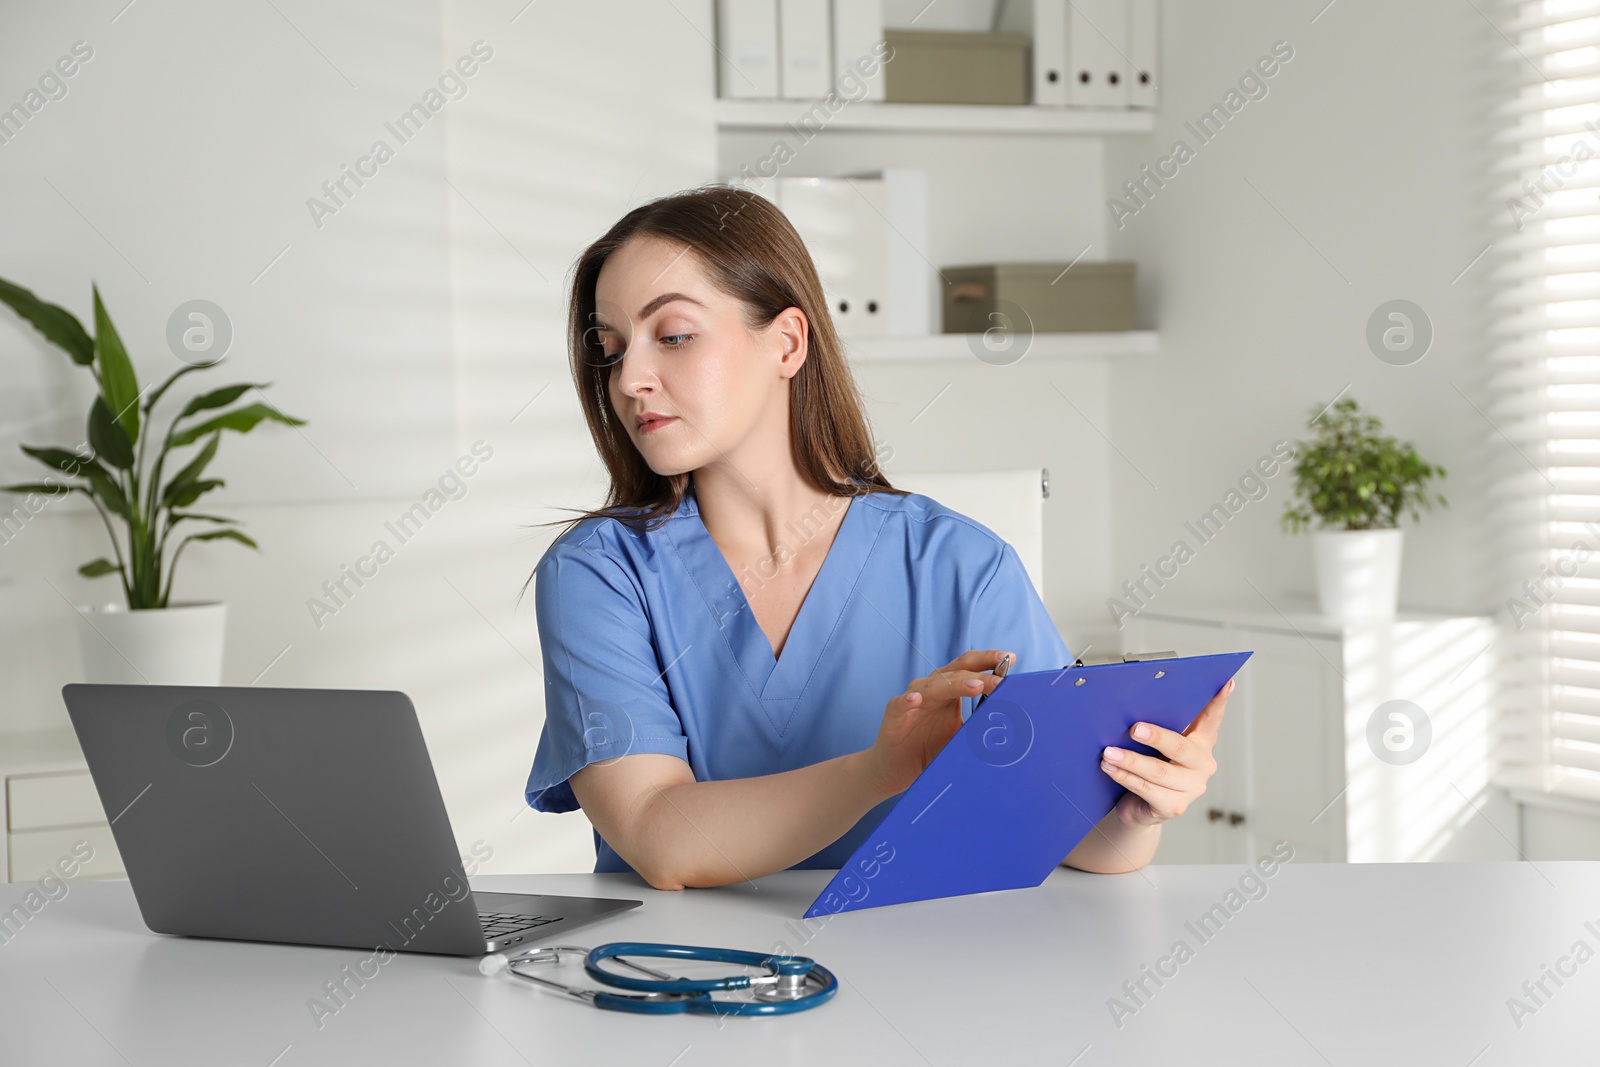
[(632, 374)]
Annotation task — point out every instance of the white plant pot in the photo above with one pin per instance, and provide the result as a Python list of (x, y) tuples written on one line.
[(1358, 573), (177, 645)]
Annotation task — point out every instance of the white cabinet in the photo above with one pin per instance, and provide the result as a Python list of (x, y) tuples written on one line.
[(53, 818), (1294, 759)]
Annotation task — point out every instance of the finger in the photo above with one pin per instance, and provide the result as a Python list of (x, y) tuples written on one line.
[(968, 664), (1180, 748), (1172, 775), (949, 683), (1166, 803), (1210, 717), (976, 660)]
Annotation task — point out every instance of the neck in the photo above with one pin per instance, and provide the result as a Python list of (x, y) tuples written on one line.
[(774, 517)]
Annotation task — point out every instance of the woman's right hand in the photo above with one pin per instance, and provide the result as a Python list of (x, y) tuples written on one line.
[(918, 722)]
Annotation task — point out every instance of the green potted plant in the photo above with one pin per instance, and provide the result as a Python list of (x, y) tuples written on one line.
[(144, 504), (1355, 483)]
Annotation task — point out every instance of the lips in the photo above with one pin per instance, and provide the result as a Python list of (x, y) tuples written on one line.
[(651, 423)]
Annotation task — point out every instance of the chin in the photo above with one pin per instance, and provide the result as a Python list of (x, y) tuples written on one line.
[(668, 467)]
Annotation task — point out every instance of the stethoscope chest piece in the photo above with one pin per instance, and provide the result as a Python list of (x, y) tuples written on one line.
[(787, 987)]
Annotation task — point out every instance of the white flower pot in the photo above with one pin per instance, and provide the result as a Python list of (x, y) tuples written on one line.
[(177, 645), (1358, 572)]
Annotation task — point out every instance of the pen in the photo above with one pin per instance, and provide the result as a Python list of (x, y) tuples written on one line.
[(1000, 672)]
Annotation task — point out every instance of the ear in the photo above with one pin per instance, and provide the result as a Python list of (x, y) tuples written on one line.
[(793, 335)]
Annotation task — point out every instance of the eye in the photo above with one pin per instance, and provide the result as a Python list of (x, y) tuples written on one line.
[(677, 340)]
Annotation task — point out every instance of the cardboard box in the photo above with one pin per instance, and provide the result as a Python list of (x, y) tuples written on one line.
[(951, 67), (1088, 297)]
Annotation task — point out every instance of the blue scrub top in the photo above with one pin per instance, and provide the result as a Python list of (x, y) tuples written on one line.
[(649, 645)]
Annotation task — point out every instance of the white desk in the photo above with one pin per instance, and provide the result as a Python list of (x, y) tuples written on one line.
[(1358, 964)]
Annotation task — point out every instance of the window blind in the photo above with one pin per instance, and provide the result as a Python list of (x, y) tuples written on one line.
[(1544, 385)]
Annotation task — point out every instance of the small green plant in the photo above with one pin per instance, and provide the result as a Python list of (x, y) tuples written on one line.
[(110, 467), (1353, 477)]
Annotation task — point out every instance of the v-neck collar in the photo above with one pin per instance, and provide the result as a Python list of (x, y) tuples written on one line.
[(782, 679)]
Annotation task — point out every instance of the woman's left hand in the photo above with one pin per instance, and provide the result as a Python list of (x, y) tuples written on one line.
[(1158, 789)]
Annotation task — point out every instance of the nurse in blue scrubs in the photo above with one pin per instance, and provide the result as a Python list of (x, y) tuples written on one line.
[(758, 642)]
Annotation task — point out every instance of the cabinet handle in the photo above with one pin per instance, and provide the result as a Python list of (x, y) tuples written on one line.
[(1214, 814), (1235, 818)]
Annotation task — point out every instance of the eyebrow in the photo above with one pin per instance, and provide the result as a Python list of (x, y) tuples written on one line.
[(665, 298)]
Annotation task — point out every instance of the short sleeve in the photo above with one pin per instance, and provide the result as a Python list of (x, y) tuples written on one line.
[(1008, 614), (604, 696)]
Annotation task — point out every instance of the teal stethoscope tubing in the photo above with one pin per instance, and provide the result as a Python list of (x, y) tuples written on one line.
[(667, 995)]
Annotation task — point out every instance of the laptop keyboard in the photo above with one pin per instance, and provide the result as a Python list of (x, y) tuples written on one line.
[(497, 924)]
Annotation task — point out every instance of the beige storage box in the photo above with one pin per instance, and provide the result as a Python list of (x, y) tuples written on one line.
[(1089, 297), (951, 67)]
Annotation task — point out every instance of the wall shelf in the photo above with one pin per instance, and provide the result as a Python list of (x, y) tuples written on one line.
[(944, 346), (934, 118)]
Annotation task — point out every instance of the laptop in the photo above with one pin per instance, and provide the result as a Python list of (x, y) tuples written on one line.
[(302, 816)]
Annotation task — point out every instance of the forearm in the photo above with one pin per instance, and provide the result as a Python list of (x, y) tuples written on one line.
[(1116, 845), (718, 832)]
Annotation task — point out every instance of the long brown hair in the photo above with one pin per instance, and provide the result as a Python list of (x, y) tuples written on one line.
[(749, 250)]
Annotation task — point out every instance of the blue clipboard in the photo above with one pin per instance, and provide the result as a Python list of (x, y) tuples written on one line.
[(1019, 784)]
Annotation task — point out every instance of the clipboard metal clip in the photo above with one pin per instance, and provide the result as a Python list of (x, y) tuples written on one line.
[(1125, 657)]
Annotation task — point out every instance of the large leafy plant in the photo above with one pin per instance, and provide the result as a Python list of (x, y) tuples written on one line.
[(115, 467), (1354, 477)]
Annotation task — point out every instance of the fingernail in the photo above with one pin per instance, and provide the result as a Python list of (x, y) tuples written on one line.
[(1114, 755), (973, 683), (1230, 684), (1141, 731)]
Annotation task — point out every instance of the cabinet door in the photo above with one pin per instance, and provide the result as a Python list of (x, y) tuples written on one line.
[(1196, 837), (1294, 714)]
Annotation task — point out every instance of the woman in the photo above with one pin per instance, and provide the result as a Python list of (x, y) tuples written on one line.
[(717, 639)]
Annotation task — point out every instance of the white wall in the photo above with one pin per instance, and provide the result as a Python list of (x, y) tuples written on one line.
[(1356, 180), (425, 316), (548, 148), (179, 166)]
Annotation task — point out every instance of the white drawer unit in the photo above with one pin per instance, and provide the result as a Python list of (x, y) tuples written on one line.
[(1309, 750), (42, 801), (88, 851), (53, 818)]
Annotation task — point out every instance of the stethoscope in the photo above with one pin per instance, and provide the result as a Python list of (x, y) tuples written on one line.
[(791, 984)]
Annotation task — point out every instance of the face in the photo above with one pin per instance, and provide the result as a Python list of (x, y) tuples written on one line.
[(679, 347)]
